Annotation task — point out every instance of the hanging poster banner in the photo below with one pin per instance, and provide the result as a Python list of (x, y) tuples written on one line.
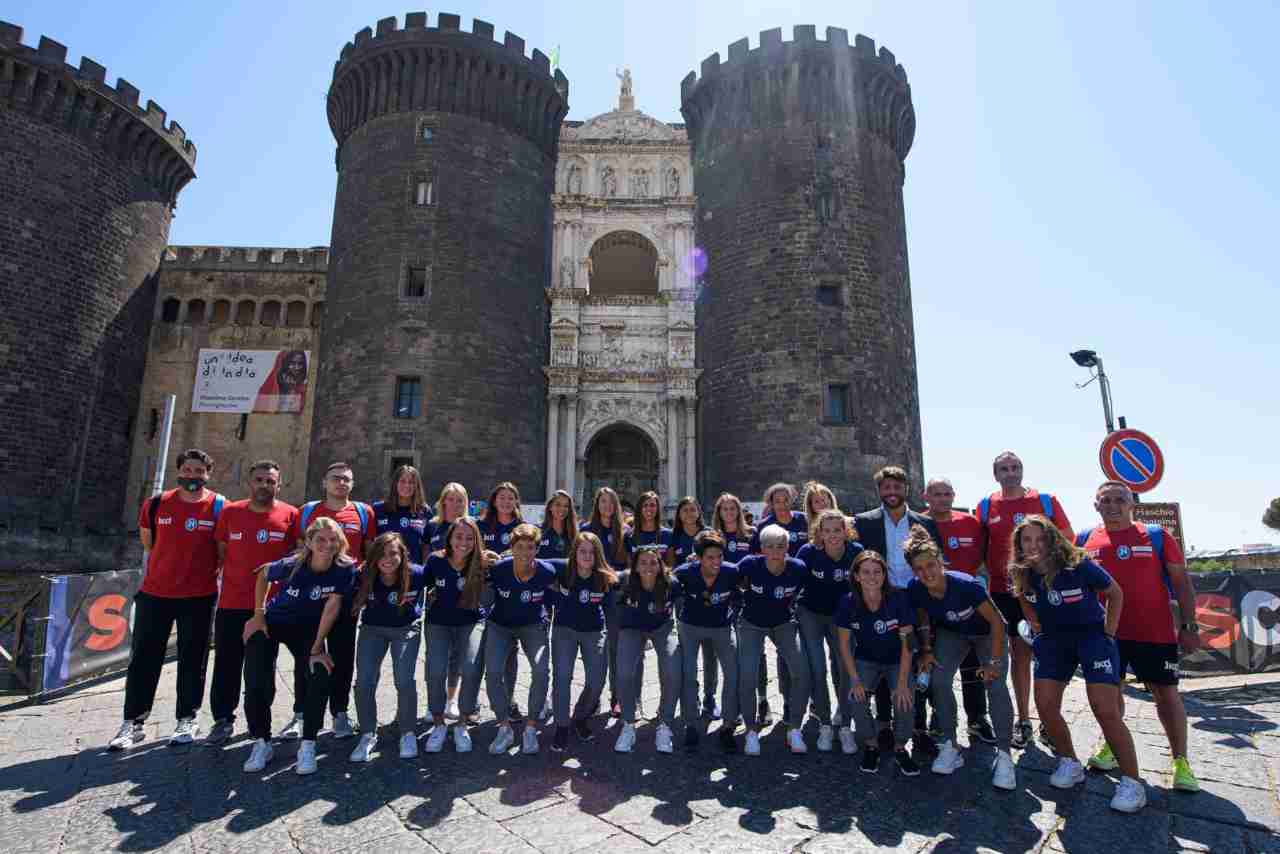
[(250, 381)]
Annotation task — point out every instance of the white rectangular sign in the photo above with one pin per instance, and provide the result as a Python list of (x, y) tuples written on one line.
[(250, 381)]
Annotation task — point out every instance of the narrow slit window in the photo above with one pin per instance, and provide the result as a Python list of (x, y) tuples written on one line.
[(408, 397), (837, 404)]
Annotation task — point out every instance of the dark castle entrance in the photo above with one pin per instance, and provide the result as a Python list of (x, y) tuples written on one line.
[(624, 458)]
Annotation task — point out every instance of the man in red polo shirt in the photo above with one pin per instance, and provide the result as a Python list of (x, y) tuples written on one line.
[(1146, 561), (249, 533), (998, 514), (179, 586), (360, 527), (964, 544)]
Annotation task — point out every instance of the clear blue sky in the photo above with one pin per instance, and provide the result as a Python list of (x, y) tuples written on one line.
[(1102, 178)]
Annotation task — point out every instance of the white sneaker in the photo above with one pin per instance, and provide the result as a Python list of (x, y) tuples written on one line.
[(364, 748), (409, 746), (664, 740), (1003, 775), (185, 732), (848, 743), (948, 759), (259, 756), (292, 730), (837, 720), (751, 744), (529, 742), (130, 733), (306, 756), (461, 738), (1130, 796), (826, 739), (436, 738), (342, 727), (503, 740), (451, 712), (1068, 773), (795, 741), (627, 739)]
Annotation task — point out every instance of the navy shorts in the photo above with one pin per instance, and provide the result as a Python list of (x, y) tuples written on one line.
[(1008, 607), (1153, 663), (1057, 656)]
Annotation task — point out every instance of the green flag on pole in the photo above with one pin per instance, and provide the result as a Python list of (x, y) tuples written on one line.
[(555, 58)]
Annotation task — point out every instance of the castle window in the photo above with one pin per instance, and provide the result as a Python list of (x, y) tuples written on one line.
[(221, 313), (317, 315), (836, 409), (826, 207), (829, 295), (427, 134), (415, 283), (169, 310), (424, 193), (271, 313), (244, 313), (195, 311), (296, 314), (408, 397)]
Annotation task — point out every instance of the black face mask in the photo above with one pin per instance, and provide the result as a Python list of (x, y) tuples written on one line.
[(192, 484)]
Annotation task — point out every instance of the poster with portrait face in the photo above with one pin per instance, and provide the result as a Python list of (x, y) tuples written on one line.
[(251, 381)]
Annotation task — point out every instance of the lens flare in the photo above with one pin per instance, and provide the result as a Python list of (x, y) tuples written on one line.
[(695, 264)]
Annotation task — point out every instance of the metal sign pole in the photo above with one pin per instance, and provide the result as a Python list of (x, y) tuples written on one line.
[(166, 429)]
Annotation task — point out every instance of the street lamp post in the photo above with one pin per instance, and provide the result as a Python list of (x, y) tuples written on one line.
[(1090, 359)]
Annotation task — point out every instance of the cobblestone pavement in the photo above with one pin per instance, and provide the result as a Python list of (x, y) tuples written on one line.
[(60, 791)]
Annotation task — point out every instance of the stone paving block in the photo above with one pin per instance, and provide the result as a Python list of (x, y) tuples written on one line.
[(341, 829), (1226, 803), (1093, 826), (516, 792), (476, 834), (1190, 834), (562, 827), (745, 831), (400, 843)]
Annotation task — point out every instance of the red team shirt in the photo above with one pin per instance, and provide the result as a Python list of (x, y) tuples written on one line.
[(963, 542), (183, 561), (1131, 560), (348, 518), (251, 539), (1004, 515)]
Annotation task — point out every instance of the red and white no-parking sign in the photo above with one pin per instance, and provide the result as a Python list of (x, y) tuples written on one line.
[(1132, 457)]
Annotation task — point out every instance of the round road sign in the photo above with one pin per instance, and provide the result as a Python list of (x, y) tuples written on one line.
[(1132, 457)]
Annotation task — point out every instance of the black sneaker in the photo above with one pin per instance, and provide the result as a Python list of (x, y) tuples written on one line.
[(884, 740), (764, 715), (870, 759), (583, 729), (691, 739), (982, 730), (220, 734), (907, 766), (727, 741), (1022, 734), (1043, 734), (514, 714), (924, 743), (561, 740)]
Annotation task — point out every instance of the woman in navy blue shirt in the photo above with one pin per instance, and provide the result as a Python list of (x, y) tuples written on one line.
[(559, 526), (686, 525), (646, 595), (389, 600), (314, 583), (1058, 588), (777, 511), (451, 505), (727, 518), (648, 529), (606, 523), (582, 595), (875, 623), (405, 512), (501, 516)]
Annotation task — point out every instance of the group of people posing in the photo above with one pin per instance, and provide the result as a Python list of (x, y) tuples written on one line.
[(888, 604)]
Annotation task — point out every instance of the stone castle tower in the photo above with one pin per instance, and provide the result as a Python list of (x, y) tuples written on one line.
[(804, 323), (88, 184), (436, 327)]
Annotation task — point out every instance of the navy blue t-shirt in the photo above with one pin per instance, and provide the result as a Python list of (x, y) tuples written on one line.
[(709, 607), (770, 600), (398, 520), (957, 610), (445, 584), (637, 538), (606, 540), (1073, 603), (735, 548), (639, 609), (580, 608), (382, 608), (436, 532), (797, 528), (497, 535), (826, 580), (302, 598), (874, 634), (520, 603), (552, 545), (682, 546)]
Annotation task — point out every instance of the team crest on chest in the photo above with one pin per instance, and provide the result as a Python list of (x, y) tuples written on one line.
[(1018, 517), (1123, 552), (1054, 597), (262, 535), (190, 524), (953, 542)]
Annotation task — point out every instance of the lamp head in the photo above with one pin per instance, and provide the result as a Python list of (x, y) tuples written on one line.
[(1085, 358)]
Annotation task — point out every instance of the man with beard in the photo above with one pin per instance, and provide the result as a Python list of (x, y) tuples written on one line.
[(249, 533), (999, 513), (884, 530), (179, 586)]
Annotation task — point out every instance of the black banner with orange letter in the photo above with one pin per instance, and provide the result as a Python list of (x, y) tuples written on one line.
[(1239, 618)]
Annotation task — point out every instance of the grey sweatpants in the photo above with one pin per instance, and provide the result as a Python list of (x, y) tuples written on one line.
[(566, 646), (950, 650), (371, 647), (445, 645), (612, 617), (666, 642), (786, 638), (870, 673), (499, 642), (814, 630), (725, 642)]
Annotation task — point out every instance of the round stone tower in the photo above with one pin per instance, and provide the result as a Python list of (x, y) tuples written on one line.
[(88, 184), (804, 317), (435, 329)]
